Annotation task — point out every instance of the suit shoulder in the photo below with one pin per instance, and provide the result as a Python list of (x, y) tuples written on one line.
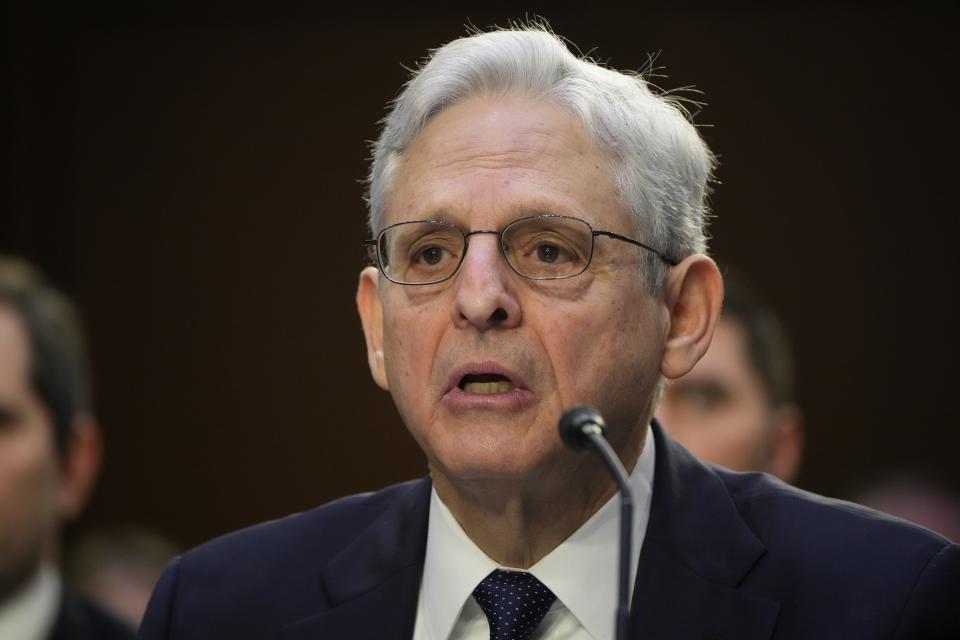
[(771, 506), (324, 529), (776, 510), (864, 568), (251, 582), (818, 540)]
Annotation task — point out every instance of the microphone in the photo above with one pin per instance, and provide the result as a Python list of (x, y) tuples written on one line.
[(582, 428)]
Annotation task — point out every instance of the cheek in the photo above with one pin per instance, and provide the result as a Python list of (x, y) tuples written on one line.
[(606, 356), (28, 491), (410, 345), (405, 333), (630, 338)]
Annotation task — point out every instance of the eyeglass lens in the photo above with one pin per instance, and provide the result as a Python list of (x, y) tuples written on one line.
[(540, 247)]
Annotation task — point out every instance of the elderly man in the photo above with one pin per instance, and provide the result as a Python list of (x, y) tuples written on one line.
[(49, 457), (538, 233)]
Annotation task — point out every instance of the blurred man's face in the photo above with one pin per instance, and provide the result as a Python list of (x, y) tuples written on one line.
[(719, 410), (596, 338), (29, 471)]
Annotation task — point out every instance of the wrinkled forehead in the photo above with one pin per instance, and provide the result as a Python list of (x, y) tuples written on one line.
[(492, 122), (516, 153)]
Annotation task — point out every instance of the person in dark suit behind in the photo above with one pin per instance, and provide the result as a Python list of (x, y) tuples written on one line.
[(49, 456), (538, 235)]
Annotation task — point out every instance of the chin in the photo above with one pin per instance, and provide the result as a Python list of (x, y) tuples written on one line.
[(479, 473), (507, 462)]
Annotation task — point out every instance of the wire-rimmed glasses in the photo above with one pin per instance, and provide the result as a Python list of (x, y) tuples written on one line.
[(543, 247)]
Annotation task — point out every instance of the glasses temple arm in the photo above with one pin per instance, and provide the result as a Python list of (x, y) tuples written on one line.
[(612, 234)]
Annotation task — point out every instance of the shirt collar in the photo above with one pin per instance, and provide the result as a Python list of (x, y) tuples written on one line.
[(453, 567), (30, 612), (580, 572)]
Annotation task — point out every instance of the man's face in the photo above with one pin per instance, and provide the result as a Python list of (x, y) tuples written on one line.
[(29, 471), (719, 410), (596, 338)]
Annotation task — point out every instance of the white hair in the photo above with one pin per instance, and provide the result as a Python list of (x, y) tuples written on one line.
[(663, 166)]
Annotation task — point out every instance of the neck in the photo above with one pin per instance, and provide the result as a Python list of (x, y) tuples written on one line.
[(518, 522)]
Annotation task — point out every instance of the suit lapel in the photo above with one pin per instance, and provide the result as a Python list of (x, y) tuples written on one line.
[(370, 589), (696, 552)]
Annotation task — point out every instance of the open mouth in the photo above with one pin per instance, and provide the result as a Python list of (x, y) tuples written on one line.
[(485, 383)]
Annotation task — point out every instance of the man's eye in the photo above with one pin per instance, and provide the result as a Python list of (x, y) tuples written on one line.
[(431, 255), (550, 253)]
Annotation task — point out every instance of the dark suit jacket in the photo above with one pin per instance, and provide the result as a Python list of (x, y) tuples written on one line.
[(726, 555), (80, 619)]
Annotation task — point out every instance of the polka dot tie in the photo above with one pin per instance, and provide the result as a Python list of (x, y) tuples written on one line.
[(514, 603)]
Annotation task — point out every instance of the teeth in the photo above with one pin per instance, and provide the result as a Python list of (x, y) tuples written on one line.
[(501, 386)]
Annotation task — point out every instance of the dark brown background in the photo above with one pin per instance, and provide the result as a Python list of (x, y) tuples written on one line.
[(193, 179)]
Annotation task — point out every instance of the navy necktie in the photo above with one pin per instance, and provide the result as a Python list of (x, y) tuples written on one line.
[(514, 602)]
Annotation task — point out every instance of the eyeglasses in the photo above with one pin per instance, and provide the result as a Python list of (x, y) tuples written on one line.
[(545, 247)]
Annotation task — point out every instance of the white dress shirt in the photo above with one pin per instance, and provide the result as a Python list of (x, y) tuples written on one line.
[(29, 614), (581, 572)]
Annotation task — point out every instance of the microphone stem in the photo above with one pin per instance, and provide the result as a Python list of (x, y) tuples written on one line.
[(619, 473)]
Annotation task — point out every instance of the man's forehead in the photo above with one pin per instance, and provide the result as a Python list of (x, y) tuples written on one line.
[(499, 142), (528, 155), (484, 119)]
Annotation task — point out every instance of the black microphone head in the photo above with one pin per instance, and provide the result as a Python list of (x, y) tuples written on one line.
[(574, 420)]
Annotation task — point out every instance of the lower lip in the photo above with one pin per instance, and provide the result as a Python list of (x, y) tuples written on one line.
[(457, 400)]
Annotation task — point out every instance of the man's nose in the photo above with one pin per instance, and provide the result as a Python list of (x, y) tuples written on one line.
[(485, 287)]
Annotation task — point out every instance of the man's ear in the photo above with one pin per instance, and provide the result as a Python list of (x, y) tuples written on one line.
[(693, 295), (80, 466), (371, 317)]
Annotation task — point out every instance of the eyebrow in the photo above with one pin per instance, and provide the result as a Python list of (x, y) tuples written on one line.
[(442, 215)]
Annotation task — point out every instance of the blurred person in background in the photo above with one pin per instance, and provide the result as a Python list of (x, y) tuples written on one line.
[(50, 451), (118, 567), (736, 408)]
